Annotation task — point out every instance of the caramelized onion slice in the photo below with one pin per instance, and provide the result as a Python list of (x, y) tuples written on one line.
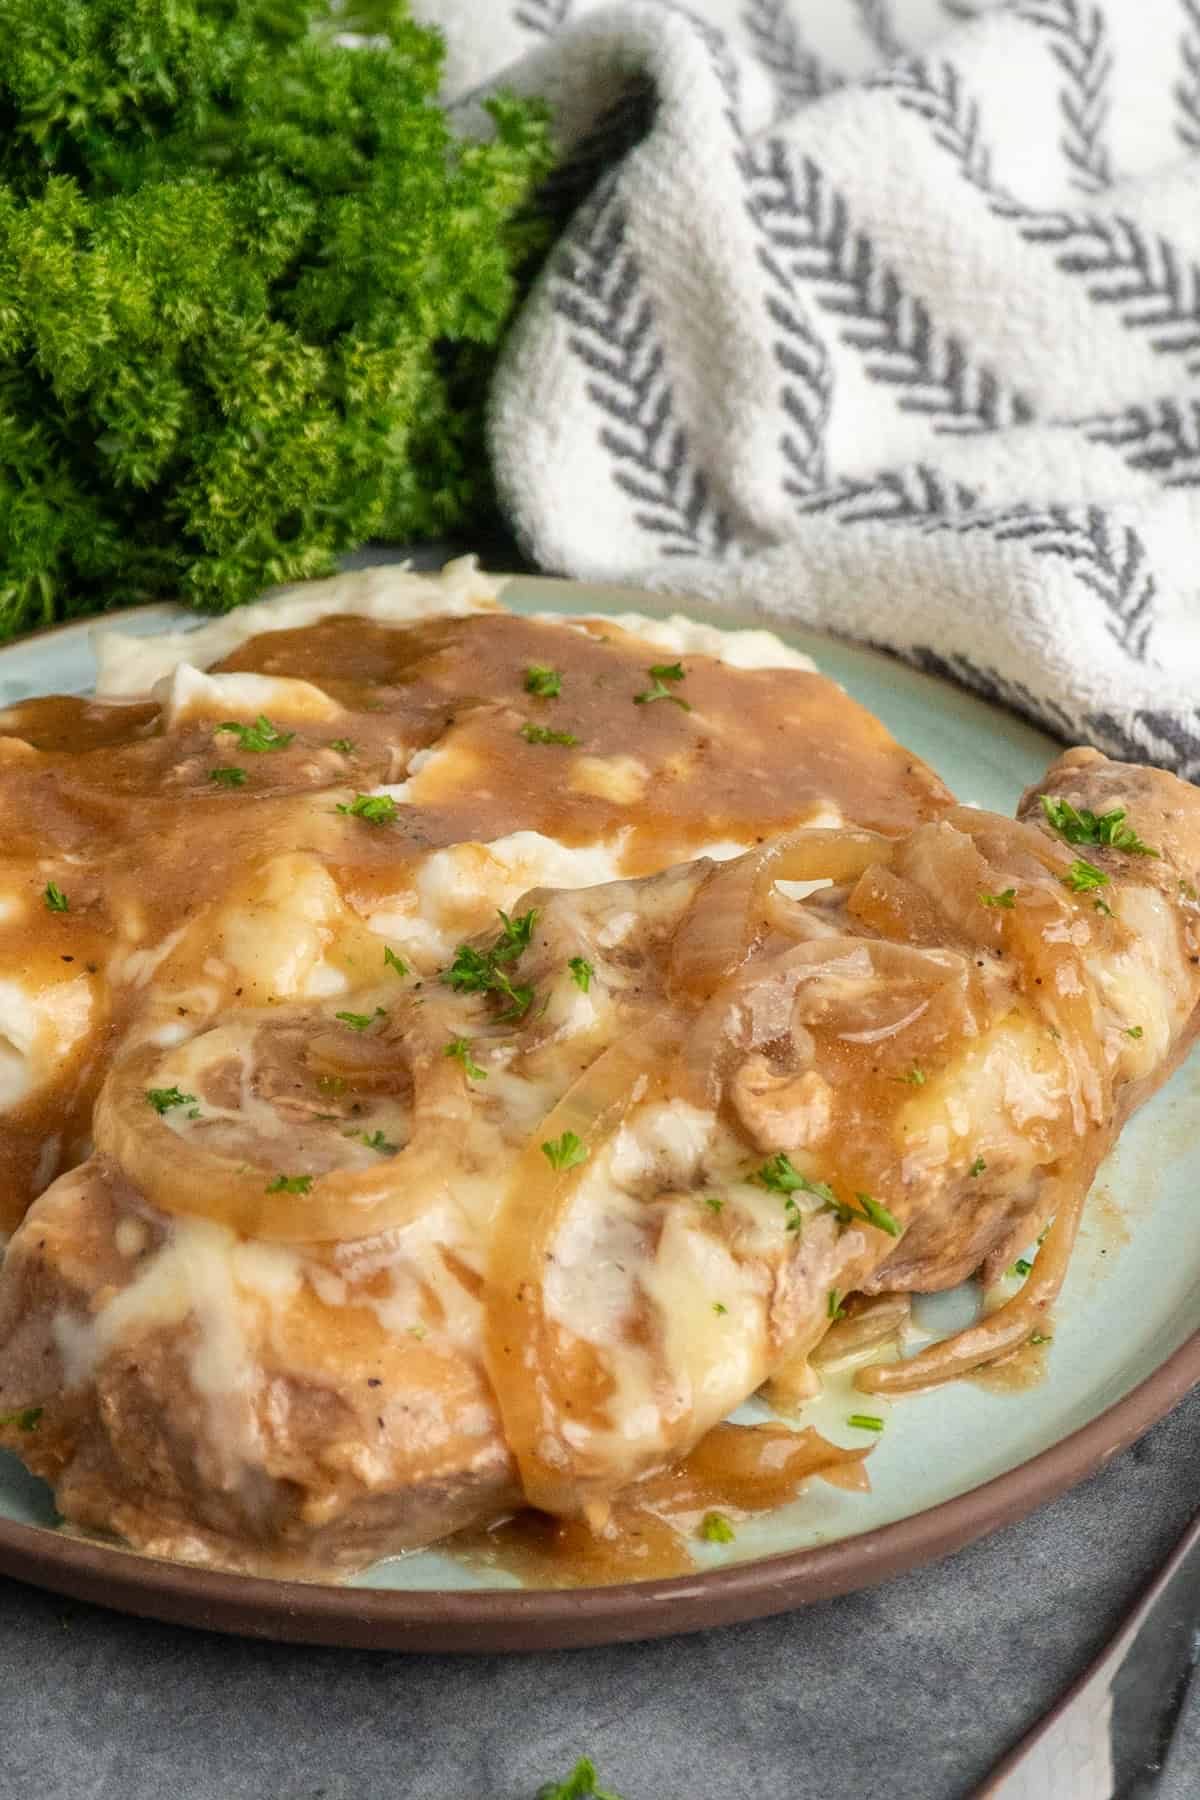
[(519, 1337), (1001, 1331), (870, 1321), (719, 930), (179, 1176)]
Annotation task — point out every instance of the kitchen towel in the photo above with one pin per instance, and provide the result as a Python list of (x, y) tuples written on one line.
[(881, 316)]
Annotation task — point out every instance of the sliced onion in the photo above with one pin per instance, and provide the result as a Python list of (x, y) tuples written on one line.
[(869, 1322), (519, 1337), (718, 932), (179, 1176), (1003, 1330)]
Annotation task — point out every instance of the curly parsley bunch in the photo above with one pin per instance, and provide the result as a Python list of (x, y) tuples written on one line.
[(249, 288)]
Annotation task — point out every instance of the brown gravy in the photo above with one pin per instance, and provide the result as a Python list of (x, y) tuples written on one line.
[(122, 813), (735, 1471)]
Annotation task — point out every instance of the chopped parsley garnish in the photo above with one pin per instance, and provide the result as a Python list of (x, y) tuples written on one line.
[(661, 674), (392, 961), (289, 1184), (877, 1214), (460, 1047), (1187, 891), (163, 1099), (1133, 1031), (480, 972), (581, 973), (719, 1309), (1086, 827), (1021, 1267), (716, 1529), (1102, 906), (360, 1021), (545, 683), (782, 1177), (56, 900), (375, 1140), (28, 1419), (376, 809), (977, 1167), (1040, 1337), (579, 1785), (834, 1308), (915, 1077), (344, 745), (565, 1152), (1007, 899), (259, 737), (865, 1421), (713, 1202), (1081, 877), (417, 1331), (231, 777), (541, 734)]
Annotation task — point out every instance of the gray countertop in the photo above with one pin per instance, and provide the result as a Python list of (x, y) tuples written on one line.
[(909, 1691)]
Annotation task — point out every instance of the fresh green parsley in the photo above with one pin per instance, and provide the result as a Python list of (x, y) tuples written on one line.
[(259, 737), (1007, 899), (1082, 877), (289, 1184), (376, 809), (780, 1175), (1040, 1337), (716, 1529), (481, 971), (163, 1099), (713, 1202), (865, 1421), (1021, 1267), (1102, 906), (541, 734), (834, 1308), (877, 1214), (1133, 1031), (579, 1785), (392, 961), (56, 900), (28, 1419), (360, 1021), (460, 1047), (1086, 827), (1187, 891), (344, 745), (915, 1077), (230, 778), (581, 973), (565, 1152), (977, 1167), (375, 1140), (661, 673), (719, 1309), (545, 683)]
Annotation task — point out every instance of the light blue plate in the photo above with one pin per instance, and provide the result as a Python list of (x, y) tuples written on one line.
[(950, 1463)]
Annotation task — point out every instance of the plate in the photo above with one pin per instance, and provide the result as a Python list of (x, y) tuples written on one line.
[(951, 1465)]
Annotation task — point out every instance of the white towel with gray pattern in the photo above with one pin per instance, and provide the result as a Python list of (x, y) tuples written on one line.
[(882, 316)]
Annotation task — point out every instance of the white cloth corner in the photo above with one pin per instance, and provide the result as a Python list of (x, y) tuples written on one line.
[(878, 315)]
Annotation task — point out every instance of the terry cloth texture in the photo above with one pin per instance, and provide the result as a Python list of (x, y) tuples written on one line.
[(880, 316)]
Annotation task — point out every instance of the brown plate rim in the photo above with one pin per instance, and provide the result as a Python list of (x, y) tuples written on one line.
[(487, 1621)]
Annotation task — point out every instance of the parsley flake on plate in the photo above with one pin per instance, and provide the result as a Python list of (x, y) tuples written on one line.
[(392, 961), (865, 1421), (376, 809), (259, 737), (1082, 877), (581, 973), (289, 1184), (27, 1419), (1006, 900), (716, 1529), (163, 1099), (360, 1021), (460, 1047), (661, 673), (565, 1152), (541, 734), (545, 683), (56, 900), (231, 777), (1086, 827)]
